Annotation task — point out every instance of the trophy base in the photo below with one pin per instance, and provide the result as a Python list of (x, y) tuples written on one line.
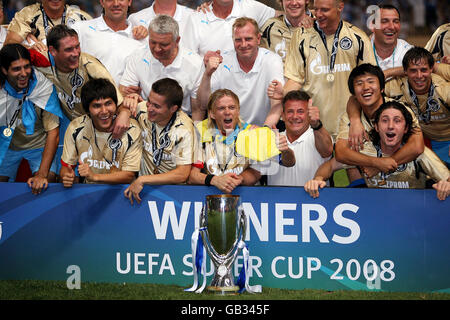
[(224, 291)]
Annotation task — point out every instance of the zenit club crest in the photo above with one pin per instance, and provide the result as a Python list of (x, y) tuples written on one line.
[(345, 43)]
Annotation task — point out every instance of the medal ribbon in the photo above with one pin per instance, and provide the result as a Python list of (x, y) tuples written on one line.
[(198, 260), (334, 50), (164, 140), (432, 104), (243, 280), (46, 20), (229, 140)]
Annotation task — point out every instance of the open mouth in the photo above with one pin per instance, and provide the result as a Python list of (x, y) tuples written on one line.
[(390, 135), (228, 122), (389, 34), (22, 82)]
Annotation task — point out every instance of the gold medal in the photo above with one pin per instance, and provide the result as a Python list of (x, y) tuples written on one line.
[(330, 77), (7, 132)]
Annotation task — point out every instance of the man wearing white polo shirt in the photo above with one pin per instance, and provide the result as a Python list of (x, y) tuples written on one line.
[(387, 47), (110, 37), (211, 31), (247, 71), (306, 136), (165, 59), (170, 7)]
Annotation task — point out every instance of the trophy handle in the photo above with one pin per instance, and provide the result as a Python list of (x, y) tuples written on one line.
[(241, 234)]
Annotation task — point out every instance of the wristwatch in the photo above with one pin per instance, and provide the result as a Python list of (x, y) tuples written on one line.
[(318, 126)]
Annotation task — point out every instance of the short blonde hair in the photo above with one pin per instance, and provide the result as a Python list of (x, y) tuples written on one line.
[(243, 21)]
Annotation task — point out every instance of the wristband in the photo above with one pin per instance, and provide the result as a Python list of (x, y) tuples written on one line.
[(318, 127), (208, 179)]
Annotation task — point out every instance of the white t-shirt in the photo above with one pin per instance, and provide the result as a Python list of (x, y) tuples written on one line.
[(146, 15), (206, 32), (307, 161), (251, 87), (111, 47), (394, 60), (142, 70)]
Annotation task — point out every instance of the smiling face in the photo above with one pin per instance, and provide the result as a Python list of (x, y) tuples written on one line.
[(18, 74), (115, 10), (388, 32), (68, 54), (294, 9), (367, 92), (158, 110), (391, 127), (53, 5), (226, 114), (295, 115), (102, 113), (328, 14), (246, 41), (419, 76)]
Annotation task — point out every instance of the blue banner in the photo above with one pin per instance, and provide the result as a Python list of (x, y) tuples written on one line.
[(351, 239)]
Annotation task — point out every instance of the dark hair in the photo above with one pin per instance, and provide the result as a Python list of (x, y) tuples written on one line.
[(170, 90), (296, 95), (375, 136), (362, 69), (57, 33), (388, 6), (10, 53), (415, 54), (96, 89)]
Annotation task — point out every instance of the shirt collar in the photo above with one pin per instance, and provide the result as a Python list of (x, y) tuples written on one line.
[(235, 12), (176, 63), (302, 138), (101, 25), (256, 66)]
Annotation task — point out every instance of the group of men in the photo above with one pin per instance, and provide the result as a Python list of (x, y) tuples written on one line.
[(132, 87)]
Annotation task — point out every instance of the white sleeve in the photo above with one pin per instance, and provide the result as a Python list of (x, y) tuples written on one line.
[(258, 11), (277, 69), (197, 81), (130, 74)]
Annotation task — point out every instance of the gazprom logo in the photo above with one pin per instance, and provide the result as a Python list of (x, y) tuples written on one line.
[(316, 67)]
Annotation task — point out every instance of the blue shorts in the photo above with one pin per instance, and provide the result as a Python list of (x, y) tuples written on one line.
[(441, 148), (12, 159)]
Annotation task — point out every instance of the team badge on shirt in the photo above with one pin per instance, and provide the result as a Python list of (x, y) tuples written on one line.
[(345, 43), (115, 144)]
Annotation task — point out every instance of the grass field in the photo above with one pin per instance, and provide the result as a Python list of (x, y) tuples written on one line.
[(57, 290)]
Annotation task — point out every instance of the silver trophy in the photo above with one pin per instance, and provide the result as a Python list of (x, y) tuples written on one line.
[(223, 225)]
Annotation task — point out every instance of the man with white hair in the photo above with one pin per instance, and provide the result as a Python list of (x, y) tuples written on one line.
[(166, 58)]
